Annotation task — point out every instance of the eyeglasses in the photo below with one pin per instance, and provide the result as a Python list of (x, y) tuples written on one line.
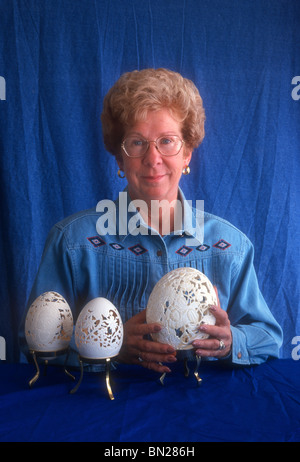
[(168, 145)]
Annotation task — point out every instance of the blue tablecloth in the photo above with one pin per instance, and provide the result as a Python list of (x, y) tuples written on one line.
[(259, 403)]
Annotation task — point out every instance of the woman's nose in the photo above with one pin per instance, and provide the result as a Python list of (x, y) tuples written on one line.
[(152, 156)]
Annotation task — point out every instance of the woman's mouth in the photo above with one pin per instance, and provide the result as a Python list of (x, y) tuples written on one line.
[(153, 178)]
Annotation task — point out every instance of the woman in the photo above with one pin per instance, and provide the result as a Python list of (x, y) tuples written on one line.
[(152, 121)]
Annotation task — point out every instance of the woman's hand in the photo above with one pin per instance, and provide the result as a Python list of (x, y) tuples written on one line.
[(137, 350), (220, 334)]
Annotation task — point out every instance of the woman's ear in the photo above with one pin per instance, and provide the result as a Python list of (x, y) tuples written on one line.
[(188, 156), (120, 162)]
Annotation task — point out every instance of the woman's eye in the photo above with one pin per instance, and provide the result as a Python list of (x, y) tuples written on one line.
[(135, 142), (165, 140)]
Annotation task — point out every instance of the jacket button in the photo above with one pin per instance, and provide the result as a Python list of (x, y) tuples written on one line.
[(239, 355), (159, 253)]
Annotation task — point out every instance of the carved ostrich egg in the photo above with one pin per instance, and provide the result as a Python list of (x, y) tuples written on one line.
[(99, 330), (49, 323), (180, 302)]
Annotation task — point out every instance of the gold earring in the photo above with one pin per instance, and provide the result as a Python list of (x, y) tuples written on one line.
[(119, 174), (186, 170)]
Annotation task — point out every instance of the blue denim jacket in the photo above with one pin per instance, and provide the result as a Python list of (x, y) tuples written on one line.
[(81, 264)]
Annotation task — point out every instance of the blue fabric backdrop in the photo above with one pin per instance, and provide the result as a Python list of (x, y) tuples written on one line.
[(59, 58)]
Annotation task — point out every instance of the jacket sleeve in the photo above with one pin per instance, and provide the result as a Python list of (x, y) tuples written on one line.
[(256, 334)]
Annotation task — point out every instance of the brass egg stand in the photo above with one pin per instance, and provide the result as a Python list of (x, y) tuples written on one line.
[(187, 370), (46, 356), (106, 361)]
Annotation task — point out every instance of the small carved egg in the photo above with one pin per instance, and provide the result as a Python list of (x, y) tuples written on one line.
[(49, 323), (180, 303), (99, 330)]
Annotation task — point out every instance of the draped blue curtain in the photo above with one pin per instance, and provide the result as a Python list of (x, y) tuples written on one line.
[(58, 58)]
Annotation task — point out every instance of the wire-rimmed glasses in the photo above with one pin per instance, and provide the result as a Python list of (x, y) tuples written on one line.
[(137, 146)]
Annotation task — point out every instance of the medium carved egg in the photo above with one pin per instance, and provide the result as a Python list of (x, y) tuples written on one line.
[(49, 323), (180, 302), (99, 330)]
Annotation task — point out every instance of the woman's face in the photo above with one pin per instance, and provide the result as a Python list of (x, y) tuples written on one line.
[(154, 176)]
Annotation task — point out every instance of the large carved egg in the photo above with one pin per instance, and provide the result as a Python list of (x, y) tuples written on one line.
[(180, 302), (49, 323), (99, 330)]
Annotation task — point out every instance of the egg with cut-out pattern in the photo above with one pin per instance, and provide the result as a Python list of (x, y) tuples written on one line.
[(99, 330), (49, 323), (180, 302)]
